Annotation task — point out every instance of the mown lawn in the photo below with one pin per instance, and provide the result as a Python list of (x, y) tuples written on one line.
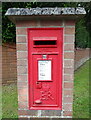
[(9, 101), (81, 96), (81, 92)]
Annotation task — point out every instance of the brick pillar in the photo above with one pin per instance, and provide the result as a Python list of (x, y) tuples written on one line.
[(68, 67)]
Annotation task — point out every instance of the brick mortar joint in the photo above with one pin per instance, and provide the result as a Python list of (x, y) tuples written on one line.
[(40, 26), (44, 116)]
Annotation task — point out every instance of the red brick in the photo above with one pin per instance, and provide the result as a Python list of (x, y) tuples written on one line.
[(68, 85), (69, 39), (68, 63), (67, 113), (24, 91), (21, 31), (22, 70), (22, 47), (9, 64), (69, 30), (22, 55), (23, 78), (69, 23), (68, 47), (0, 59), (26, 23), (22, 98), (11, 49), (22, 62), (68, 92), (51, 23), (68, 99), (22, 84), (23, 105), (0, 48), (68, 70), (22, 112), (28, 112), (68, 77), (82, 53), (0, 83), (51, 112), (67, 107), (21, 39), (69, 55)]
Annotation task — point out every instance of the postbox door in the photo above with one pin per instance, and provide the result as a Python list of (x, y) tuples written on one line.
[(45, 68), (45, 87)]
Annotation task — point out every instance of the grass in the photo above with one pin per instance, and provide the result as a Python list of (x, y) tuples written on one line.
[(81, 92), (81, 96), (9, 101)]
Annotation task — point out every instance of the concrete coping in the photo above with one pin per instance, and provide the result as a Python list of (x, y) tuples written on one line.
[(56, 12), (45, 11)]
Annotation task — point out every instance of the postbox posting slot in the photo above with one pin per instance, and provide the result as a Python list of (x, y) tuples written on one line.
[(45, 42)]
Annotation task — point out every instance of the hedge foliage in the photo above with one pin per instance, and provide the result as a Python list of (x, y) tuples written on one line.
[(82, 36)]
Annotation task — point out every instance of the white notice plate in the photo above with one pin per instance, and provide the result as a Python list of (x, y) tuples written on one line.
[(44, 70)]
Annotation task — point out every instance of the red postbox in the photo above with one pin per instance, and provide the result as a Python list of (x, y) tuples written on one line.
[(45, 68)]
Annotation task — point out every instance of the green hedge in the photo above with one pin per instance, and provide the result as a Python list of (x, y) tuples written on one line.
[(82, 38)]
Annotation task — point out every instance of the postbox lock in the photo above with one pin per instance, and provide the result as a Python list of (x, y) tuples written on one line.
[(38, 101), (38, 85)]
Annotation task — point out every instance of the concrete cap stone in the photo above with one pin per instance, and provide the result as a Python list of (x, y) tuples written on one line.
[(47, 12)]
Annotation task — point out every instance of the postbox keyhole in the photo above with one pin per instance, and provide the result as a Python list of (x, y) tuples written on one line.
[(38, 85)]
